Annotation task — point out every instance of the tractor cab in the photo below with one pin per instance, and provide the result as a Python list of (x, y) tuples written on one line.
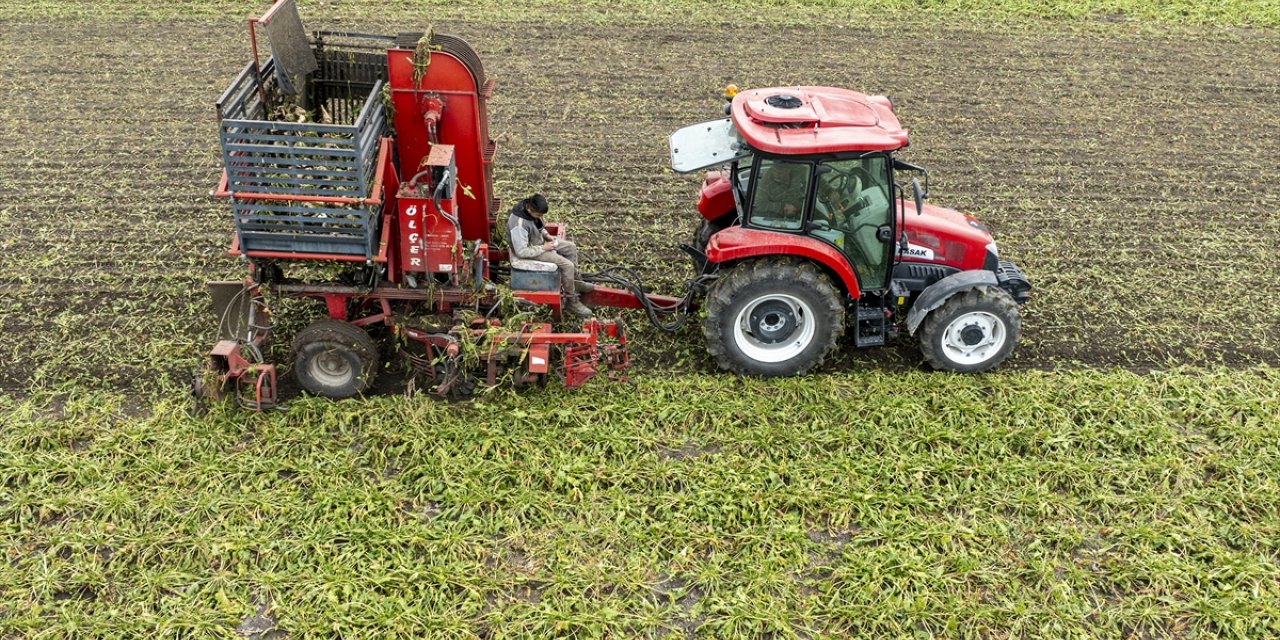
[(808, 162), (844, 201), (805, 190)]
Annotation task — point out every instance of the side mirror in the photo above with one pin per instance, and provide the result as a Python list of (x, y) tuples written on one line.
[(902, 165), (884, 233), (919, 195)]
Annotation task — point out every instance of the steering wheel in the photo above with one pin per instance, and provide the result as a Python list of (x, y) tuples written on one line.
[(841, 194)]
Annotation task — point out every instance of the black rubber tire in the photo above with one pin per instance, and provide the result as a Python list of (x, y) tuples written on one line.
[(702, 235), (340, 343), (749, 281), (992, 300), (707, 228)]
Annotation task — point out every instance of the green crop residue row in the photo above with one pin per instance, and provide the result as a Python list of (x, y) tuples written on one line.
[(1013, 505)]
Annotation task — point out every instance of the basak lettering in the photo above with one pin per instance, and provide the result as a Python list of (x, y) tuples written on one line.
[(917, 251)]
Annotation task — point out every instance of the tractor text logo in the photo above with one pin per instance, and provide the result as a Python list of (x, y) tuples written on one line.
[(917, 251), (414, 237)]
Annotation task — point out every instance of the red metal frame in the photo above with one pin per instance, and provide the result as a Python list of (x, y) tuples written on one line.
[(585, 354), (232, 369), (737, 243), (446, 107)]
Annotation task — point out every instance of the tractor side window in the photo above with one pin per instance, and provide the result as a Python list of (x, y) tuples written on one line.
[(851, 204), (780, 195), (744, 172)]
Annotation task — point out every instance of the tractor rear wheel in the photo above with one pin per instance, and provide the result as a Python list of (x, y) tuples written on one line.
[(702, 235), (772, 317), (972, 331), (334, 359)]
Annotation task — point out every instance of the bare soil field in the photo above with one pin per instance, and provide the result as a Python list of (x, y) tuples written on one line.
[(1130, 174), (1080, 491)]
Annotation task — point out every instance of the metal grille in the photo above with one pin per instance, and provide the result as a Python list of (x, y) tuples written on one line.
[(926, 272), (306, 228), (334, 155), (243, 100), (351, 64)]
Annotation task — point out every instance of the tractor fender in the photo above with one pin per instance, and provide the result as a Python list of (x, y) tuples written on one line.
[(738, 243), (936, 294)]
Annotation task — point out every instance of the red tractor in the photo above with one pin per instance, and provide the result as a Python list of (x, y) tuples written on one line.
[(359, 173), (808, 235)]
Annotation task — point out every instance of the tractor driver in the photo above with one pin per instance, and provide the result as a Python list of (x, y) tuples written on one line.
[(530, 240), (829, 205), (845, 197)]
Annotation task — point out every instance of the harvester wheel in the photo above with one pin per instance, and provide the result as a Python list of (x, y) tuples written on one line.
[(972, 331), (772, 317), (334, 359)]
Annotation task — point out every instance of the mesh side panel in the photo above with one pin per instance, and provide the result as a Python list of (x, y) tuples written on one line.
[(289, 47), (334, 153)]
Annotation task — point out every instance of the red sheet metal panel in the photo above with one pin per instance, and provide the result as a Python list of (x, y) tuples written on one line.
[(800, 120), (463, 122)]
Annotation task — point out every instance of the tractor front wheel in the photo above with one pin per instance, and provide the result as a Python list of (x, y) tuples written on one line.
[(772, 318), (972, 331), (334, 359)]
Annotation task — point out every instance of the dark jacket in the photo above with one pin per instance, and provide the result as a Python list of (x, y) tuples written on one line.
[(525, 233)]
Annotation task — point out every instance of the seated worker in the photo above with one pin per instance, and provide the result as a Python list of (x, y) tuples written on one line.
[(529, 240)]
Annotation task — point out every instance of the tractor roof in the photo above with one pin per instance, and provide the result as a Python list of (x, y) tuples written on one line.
[(800, 120)]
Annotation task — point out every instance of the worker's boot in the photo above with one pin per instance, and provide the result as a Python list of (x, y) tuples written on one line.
[(575, 306), (582, 286)]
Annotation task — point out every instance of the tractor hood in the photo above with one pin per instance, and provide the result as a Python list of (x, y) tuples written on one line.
[(945, 236)]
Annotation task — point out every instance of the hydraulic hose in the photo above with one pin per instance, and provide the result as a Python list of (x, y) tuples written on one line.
[(437, 196), (625, 278)]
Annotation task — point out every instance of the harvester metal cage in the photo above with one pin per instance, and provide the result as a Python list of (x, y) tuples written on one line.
[(301, 155)]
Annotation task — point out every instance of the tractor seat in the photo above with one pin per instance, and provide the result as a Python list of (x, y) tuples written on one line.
[(524, 264), (534, 275)]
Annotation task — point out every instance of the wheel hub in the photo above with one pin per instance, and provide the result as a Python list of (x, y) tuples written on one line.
[(972, 335), (772, 321), (774, 327), (331, 368)]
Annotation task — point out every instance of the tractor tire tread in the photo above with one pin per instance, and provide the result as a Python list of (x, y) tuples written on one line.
[(348, 335), (999, 300), (790, 270)]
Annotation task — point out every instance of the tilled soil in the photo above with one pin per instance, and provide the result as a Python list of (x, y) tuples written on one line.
[(1132, 176)]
